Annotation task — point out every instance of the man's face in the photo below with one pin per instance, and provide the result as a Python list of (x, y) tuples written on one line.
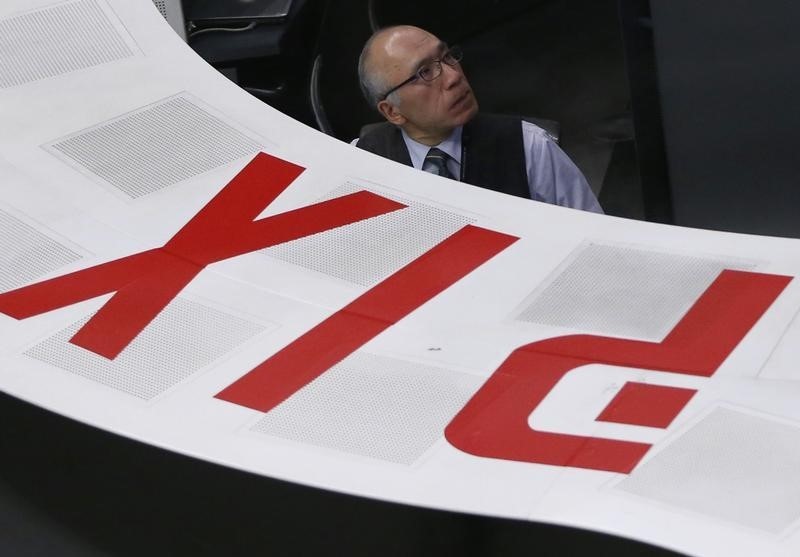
[(427, 110)]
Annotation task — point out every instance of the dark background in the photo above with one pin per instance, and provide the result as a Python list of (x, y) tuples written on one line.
[(67, 489), (729, 79), (677, 111)]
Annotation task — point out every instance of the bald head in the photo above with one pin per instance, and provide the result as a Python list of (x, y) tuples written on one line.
[(379, 51), (426, 106)]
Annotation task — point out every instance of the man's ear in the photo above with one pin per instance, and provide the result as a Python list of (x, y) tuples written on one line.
[(391, 113)]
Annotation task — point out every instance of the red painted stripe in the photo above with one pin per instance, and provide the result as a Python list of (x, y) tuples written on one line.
[(204, 246), (309, 356), (494, 423), (146, 282), (646, 405), (138, 302), (78, 286)]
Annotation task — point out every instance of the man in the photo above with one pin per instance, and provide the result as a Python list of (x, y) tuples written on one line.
[(416, 82)]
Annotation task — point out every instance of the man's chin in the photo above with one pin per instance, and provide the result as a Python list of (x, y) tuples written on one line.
[(466, 112)]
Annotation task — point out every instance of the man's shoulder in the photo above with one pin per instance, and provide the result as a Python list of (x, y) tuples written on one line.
[(375, 135), (541, 129), (386, 140), (550, 128)]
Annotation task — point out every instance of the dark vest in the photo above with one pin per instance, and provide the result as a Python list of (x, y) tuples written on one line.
[(492, 152)]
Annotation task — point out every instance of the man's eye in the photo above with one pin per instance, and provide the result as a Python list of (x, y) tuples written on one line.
[(425, 72)]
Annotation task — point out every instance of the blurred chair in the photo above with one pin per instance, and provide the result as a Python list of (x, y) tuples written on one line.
[(320, 116)]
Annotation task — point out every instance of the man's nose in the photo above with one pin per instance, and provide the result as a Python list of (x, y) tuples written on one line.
[(451, 75)]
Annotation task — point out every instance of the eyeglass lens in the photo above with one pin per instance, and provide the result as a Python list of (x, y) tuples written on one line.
[(433, 69)]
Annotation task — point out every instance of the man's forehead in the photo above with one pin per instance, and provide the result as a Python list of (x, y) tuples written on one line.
[(412, 46)]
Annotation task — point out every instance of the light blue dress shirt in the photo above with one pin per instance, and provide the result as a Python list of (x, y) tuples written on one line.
[(552, 176)]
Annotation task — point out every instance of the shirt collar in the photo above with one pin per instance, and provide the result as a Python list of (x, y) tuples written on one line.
[(418, 151)]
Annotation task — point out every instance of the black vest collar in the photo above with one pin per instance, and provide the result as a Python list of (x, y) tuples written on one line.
[(492, 152)]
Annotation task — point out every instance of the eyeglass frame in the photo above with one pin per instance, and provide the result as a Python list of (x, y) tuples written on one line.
[(454, 52)]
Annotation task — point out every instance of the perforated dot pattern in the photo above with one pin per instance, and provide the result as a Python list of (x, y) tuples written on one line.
[(162, 7), (57, 40), (624, 291), (731, 465), (373, 406), (185, 337), (370, 250), (157, 146), (27, 254)]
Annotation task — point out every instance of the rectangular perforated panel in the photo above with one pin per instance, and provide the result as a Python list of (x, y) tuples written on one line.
[(181, 340), (373, 406), (57, 40), (731, 465), (162, 7), (27, 254), (156, 146), (370, 250), (623, 291)]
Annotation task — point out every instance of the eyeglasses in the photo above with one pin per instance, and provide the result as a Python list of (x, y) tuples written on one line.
[(430, 70)]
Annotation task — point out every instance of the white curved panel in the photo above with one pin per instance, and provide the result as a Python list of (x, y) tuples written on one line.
[(361, 355)]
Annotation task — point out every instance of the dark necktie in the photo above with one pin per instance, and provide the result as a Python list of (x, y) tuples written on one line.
[(436, 163)]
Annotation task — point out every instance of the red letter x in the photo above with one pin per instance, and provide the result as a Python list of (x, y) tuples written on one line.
[(146, 282)]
